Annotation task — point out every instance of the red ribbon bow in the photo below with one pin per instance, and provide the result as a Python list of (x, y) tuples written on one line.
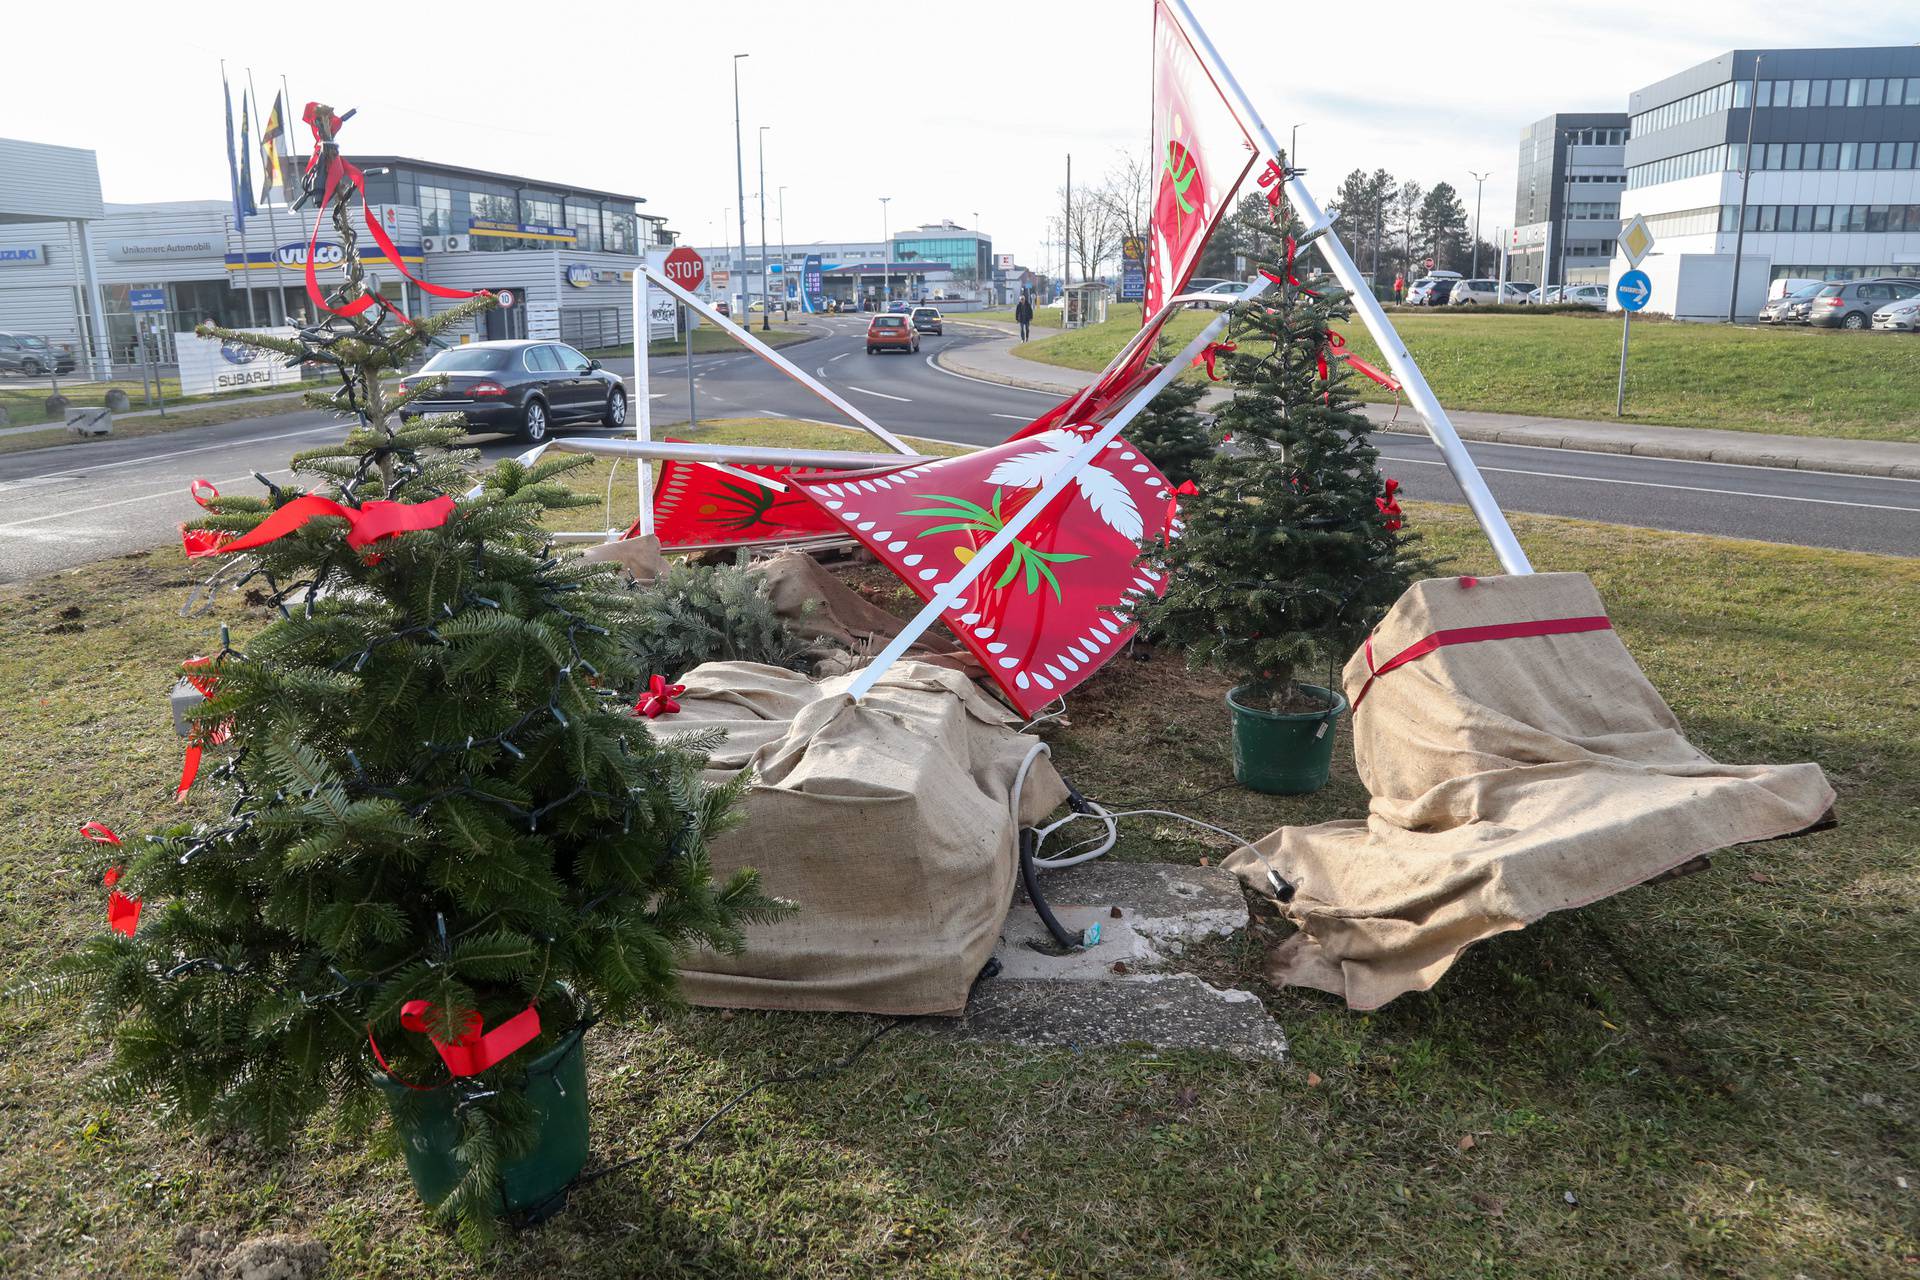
[(1273, 177), (1212, 352), (1390, 505), (658, 700), (475, 1050), (368, 523), (326, 128), (123, 913), (1185, 489)]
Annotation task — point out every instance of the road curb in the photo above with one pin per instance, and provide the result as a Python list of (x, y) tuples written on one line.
[(1806, 454)]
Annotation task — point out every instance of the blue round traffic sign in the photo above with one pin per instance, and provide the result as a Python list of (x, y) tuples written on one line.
[(1634, 290)]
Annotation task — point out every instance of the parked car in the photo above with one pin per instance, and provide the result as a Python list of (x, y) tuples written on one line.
[(31, 355), (1467, 293), (724, 308), (1899, 317), (1777, 309), (1583, 295), (927, 320), (899, 308), (1227, 291), (524, 387), (892, 330), (1850, 304), (1431, 291)]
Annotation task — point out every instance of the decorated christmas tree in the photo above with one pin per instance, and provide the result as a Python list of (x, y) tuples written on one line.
[(438, 834), (1294, 546)]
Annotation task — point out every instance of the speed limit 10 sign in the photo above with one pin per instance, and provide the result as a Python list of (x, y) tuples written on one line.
[(686, 268)]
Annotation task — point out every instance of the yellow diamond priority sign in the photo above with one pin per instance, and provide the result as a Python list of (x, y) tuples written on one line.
[(1636, 241)]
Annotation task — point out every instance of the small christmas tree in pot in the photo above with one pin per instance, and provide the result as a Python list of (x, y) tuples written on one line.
[(445, 840), (1293, 546)]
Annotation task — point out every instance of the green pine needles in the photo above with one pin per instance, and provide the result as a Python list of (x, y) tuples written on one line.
[(696, 613), (1170, 430), (434, 789), (1287, 557)]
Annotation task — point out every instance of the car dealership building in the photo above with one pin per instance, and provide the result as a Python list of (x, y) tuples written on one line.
[(69, 262)]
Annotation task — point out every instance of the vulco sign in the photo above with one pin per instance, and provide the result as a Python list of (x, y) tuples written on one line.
[(325, 254), (580, 275)]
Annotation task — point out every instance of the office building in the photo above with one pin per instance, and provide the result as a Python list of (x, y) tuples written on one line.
[(940, 260), (1567, 198), (1832, 190)]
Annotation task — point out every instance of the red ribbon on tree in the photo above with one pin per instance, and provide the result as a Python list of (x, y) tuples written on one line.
[(367, 523), (1185, 489), (1212, 352), (1390, 505), (1273, 178), (475, 1050), (658, 700), (190, 766), (202, 542), (325, 146), (123, 913)]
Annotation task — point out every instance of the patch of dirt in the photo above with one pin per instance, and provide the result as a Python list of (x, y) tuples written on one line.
[(207, 1254), (66, 628)]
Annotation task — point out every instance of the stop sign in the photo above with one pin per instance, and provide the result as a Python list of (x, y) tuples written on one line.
[(686, 268)]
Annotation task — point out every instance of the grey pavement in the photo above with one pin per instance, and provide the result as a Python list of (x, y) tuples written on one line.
[(995, 361)]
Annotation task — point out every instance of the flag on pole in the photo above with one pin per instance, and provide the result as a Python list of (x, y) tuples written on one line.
[(246, 153), (239, 192), (273, 171), (1201, 151)]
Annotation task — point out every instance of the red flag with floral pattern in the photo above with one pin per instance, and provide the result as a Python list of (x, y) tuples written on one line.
[(699, 504), (1053, 611), (1201, 151)]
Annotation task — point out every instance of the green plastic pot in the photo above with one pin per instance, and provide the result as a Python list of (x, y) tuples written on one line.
[(1284, 754), (532, 1187)]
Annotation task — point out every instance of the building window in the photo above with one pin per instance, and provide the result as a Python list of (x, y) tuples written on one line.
[(436, 211), (544, 212)]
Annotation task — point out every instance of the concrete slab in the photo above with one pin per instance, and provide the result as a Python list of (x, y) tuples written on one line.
[(1161, 1011), (1147, 912)]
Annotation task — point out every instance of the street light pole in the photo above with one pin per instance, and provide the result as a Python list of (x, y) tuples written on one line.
[(886, 252), (766, 277), (785, 262), (739, 177), (1293, 147), (1479, 186)]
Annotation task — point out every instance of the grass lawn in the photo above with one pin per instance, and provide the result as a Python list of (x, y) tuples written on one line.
[(1043, 317), (1789, 381), (1711, 1078)]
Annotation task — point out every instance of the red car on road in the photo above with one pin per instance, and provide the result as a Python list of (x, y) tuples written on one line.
[(892, 331)]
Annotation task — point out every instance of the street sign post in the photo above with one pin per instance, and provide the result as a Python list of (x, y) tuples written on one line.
[(150, 301), (1633, 291), (1636, 240)]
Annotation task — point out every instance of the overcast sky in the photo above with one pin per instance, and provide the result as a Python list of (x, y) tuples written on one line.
[(952, 109)]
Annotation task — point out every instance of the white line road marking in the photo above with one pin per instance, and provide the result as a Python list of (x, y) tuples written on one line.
[(1649, 457), (820, 371), (181, 453), (1017, 417), (842, 356), (881, 394), (1683, 488), (989, 382), (123, 502)]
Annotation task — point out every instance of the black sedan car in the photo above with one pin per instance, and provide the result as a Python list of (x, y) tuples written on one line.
[(524, 387)]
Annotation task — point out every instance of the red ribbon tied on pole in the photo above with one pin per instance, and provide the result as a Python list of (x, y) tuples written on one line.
[(475, 1050), (326, 127), (658, 700), (1273, 178), (1212, 352), (123, 913)]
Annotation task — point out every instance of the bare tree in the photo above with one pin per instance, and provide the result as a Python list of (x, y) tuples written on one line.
[(1092, 229), (1127, 190)]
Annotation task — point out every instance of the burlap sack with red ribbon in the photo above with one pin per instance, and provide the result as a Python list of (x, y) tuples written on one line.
[(889, 821), (1519, 764)]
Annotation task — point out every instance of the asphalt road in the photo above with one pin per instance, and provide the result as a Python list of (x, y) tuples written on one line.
[(65, 506)]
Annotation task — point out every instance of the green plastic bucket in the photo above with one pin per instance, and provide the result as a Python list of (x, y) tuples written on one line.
[(1284, 754), (555, 1085)]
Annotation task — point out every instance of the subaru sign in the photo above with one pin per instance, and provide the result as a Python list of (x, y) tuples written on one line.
[(208, 366)]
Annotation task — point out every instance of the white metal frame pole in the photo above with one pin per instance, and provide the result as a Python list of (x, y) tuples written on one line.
[(949, 593), (785, 365), (1465, 474), (643, 386)]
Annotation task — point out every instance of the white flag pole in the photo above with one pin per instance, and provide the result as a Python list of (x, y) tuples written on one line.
[(785, 365), (949, 593), (643, 388), (1465, 474)]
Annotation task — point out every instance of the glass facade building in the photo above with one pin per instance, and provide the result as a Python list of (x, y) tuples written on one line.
[(1567, 197)]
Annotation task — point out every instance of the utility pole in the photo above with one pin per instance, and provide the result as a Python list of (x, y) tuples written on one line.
[(1746, 178), (785, 262), (1479, 184), (1066, 234), (766, 276), (886, 254), (1293, 147), (739, 180)]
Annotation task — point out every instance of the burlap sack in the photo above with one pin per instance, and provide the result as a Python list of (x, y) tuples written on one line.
[(639, 556), (1510, 778), (889, 822)]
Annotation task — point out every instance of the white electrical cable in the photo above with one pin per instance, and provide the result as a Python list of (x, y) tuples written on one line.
[(1045, 715)]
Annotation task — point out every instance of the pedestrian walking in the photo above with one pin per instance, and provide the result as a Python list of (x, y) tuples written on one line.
[(1399, 288), (1023, 312)]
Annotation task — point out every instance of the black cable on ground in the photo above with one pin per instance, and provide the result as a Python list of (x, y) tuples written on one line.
[(1030, 878)]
